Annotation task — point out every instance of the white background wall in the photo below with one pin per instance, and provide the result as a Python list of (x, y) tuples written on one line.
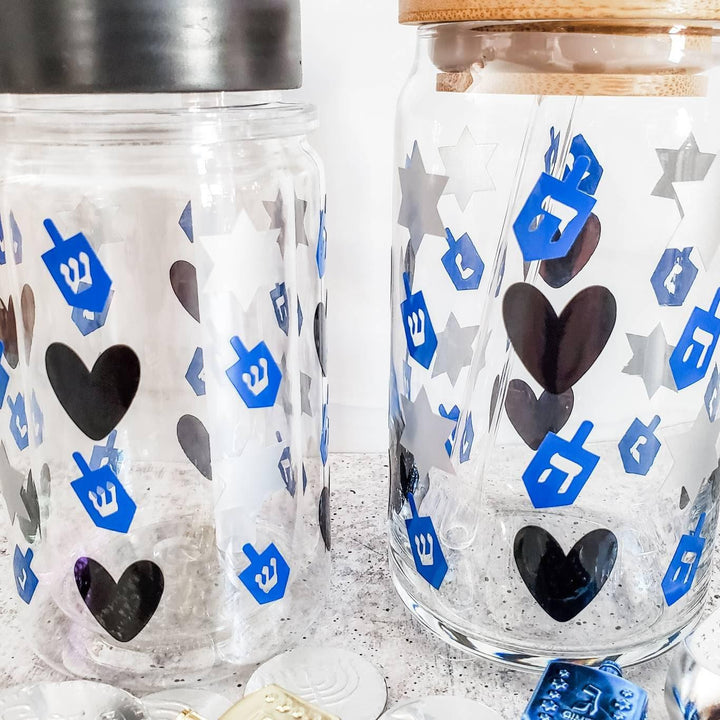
[(356, 58)]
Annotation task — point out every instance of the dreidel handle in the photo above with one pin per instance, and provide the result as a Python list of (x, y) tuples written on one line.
[(413, 506), (110, 445), (11, 403), (80, 462), (652, 426), (582, 432), (238, 346), (451, 240), (579, 168), (28, 556), (252, 554), (698, 529), (715, 303), (406, 283), (53, 232)]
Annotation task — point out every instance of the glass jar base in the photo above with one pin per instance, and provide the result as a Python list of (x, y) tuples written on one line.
[(532, 659)]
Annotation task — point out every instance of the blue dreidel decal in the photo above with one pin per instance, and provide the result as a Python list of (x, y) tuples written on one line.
[(321, 252), (683, 567), (577, 692), (536, 228), (18, 421), (195, 374), (286, 471), (560, 468), (453, 414), (639, 446), (4, 376), (712, 395), (324, 435), (3, 257), (419, 332), (88, 321), (77, 271), (579, 148), (266, 578), (107, 454), (425, 546), (462, 262), (673, 277), (256, 376), (26, 581), (103, 496), (551, 154), (467, 439), (693, 354), (279, 298)]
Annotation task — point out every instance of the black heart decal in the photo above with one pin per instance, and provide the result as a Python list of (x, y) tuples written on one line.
[(183, 278), (95, 400), (561, 271), (195, 443), (534, 417), (558, 351), (564, 585), (324, 517), (27, 308), (8, 333), (122, 608), (31, 528), (319, 329)]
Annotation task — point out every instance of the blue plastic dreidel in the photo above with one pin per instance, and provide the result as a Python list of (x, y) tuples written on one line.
[(279, 298), (256, 376), (453, 414), (106, 454), (580, 148), (419, 332), (77, 271), (536, 228), (673, 277), (560, 468), (567, 691), (103, 496), (26, 581), (467, 439), (266, 578), (321, 252), (639, 446), (324, 434), (693, 354), (18, 421), (425, 546), (195, 374), (462, 262), (4, 377), (88, 321), (684, 565)]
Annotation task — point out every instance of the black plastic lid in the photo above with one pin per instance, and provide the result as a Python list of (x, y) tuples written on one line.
[(148, 46)]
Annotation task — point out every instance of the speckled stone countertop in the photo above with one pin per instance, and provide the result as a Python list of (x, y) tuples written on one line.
[(361, 614)]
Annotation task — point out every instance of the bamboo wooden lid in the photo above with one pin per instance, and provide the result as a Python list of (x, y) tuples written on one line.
[(431, 11)]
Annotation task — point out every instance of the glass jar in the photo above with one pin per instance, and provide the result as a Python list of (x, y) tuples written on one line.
[(164, 432), (554, 385)]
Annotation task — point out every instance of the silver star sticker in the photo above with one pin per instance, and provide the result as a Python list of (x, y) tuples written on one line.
[(454, 350), (466, 164), (300, 210), (421, 192), (685, 164), (694, 456), (425, 434), (650, 360), (12, 483), (305, 385), (275, 210)]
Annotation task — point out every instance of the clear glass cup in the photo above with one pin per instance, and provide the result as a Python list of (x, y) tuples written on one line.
[(164, 428), (554, 387)]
